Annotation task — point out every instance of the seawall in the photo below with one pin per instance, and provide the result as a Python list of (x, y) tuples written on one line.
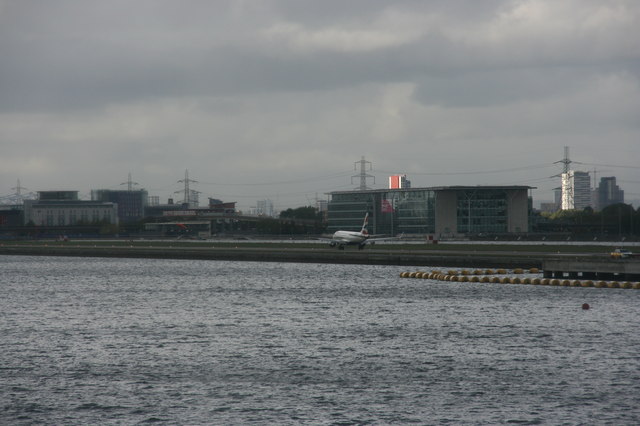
[(306, 255)]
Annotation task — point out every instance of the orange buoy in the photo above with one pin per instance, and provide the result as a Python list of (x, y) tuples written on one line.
[(585, 306)]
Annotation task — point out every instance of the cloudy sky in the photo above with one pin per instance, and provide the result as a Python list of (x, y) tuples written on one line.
[(277, 99)]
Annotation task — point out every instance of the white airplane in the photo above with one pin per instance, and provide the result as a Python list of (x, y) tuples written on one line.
[(361, 238)]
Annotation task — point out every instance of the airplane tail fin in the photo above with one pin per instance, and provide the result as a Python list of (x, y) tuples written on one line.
[(364, 224)]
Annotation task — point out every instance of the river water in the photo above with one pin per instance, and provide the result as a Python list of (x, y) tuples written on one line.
[(128, 341)]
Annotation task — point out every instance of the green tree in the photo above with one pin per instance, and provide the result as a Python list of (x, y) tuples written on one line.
[(308, 212)]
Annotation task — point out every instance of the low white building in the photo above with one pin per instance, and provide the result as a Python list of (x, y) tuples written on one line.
[(62, 208)]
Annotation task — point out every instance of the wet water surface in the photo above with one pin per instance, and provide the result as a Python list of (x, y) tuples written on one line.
[(87, 341)]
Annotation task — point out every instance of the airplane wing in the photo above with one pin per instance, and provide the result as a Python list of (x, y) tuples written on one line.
[(332, 240), (374, 239), (325, 239)]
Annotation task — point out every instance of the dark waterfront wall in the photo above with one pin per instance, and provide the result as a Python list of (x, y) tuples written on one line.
[(607, 269), (305, 255)]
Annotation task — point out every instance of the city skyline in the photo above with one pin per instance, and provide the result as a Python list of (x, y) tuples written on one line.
[(201, 198), (277, 99)]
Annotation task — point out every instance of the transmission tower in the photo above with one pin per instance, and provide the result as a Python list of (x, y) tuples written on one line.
[(130, 183), (18, 196), (187, 192), (566, 161), (363, 173), (18, 190)]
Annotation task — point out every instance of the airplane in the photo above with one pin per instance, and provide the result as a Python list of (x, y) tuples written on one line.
[(361, 238)]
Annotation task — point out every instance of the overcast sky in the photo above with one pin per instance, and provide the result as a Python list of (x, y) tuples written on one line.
[(277, 99)]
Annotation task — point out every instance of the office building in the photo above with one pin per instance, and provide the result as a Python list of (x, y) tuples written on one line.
[(131, 204), (576, 190), (399, 181), (607, 193), (265, 208), (557, 197), (63, 208), (440, 211)]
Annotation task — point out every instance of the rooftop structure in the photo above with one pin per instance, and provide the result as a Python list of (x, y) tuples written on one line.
[(399, 181)]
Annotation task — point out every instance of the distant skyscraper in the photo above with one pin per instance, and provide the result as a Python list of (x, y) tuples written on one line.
[(548, 207), (322, 205), (576, 190), (265, 208), (194, 199), (557, 197), (130, 203), (608, 193)]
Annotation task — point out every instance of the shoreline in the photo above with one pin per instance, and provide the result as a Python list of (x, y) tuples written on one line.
[(368, 256)]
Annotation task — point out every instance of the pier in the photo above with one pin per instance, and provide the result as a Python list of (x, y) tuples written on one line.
[(592, 268)]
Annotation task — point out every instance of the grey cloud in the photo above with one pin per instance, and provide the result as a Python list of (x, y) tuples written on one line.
[(332, 11), (89, 54), (485, 88), (119, 62), (159, 86)]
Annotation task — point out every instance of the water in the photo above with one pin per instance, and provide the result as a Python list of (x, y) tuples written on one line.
[(128, 341)]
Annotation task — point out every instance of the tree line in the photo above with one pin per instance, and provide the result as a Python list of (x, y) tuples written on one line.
[(614, 220)]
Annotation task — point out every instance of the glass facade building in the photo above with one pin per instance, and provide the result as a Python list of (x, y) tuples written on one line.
[(441, 211), (481, 211), (391, 211), (131, 204)]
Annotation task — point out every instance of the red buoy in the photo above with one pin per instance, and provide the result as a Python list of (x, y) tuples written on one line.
[(585, 306)]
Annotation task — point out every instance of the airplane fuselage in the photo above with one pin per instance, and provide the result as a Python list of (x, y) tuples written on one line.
[(343, 238), (361, 239), (349, 237)]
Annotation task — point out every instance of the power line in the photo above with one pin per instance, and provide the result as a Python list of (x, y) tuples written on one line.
[(287, 194), (282, 182), (130, 183), (565, 161), (608, 165), (477, 172)]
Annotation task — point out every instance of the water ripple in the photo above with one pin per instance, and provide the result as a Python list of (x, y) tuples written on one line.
[(94, 341)]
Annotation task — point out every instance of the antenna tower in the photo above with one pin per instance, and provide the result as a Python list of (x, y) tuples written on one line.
[(363, 173)]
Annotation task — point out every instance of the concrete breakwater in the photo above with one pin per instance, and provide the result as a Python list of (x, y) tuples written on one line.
[(279, 254)]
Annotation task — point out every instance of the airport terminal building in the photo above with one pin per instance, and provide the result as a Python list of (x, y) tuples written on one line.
[(63, 208), (444, 212)]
